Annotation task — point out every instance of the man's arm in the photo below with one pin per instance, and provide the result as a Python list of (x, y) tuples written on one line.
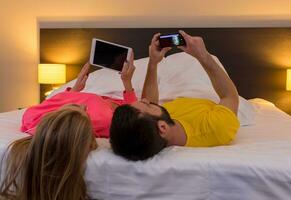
[(222, 84), (150, 89)]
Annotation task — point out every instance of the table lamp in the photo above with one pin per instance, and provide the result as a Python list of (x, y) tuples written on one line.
[(288, 80), (51, 74)]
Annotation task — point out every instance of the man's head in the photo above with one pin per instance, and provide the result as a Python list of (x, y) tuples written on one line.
[(140, 130)]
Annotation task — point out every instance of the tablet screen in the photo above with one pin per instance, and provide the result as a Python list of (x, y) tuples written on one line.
[(109, 55)]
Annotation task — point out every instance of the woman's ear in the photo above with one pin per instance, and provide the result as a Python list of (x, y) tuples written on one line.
[(163, 128)]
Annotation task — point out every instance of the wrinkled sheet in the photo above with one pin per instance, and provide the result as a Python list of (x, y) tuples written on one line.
[(256, 166)]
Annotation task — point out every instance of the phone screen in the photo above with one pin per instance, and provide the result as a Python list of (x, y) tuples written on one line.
[(109, 55), (171, 40)]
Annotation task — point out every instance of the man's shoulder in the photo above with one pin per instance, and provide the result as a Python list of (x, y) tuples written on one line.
[(185, 106), (188, 100)]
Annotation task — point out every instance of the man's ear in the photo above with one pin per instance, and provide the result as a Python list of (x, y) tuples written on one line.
[(163, 128)]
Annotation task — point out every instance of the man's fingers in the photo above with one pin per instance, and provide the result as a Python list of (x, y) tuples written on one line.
[(185, 36), (183, 33), (183, 48), (156, 37), (165, 50), (157, 43)]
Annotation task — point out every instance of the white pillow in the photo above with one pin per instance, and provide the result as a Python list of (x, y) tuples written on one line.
[(100, 82), (107, 82), (183, 76), (179, 75)]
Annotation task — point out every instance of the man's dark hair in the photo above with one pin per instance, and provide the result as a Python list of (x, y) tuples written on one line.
[(135, 135)]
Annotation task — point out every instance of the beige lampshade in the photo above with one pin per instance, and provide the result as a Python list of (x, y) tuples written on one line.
[(52, 73), (288, 80)]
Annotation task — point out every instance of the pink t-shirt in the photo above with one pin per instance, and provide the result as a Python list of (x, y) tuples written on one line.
[(99, 109)]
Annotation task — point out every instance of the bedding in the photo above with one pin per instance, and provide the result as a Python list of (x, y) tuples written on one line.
[(256, 166), (179, 75)]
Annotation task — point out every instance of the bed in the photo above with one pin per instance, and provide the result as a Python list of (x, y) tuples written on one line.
[(257, 165)]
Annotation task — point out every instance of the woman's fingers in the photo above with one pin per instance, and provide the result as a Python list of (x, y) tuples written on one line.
[(131, 57), (124, 68), (83, 82), (85, 70), (131, 69)]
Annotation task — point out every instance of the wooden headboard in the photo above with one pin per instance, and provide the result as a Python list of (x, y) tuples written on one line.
[(255, 58)]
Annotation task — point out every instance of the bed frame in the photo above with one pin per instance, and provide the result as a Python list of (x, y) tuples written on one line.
[(255, 58)]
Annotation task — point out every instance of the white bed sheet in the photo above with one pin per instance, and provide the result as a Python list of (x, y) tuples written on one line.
[(257, 165)]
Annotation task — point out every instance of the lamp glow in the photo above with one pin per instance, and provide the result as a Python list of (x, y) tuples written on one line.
[(288, 81), (52, 73)]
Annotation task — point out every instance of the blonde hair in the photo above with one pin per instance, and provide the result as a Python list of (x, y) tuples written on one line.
[(50, 165)]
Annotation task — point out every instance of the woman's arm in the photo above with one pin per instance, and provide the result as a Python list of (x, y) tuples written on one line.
[(127, 73), (82, 78)]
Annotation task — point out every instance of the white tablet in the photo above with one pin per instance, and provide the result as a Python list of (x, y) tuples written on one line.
[(109, 55)]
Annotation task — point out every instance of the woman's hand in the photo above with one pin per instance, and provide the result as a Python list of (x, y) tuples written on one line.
[(82, 78), (127, 73)]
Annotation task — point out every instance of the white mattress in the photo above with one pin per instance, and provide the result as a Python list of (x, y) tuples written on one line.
[(256, 166)]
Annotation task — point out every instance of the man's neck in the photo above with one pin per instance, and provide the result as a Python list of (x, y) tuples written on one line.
[(178, 135)]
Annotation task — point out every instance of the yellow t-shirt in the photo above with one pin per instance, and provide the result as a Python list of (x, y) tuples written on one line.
[(205, 122)]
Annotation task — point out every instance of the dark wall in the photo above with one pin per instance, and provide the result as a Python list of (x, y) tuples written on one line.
[(255, 58)]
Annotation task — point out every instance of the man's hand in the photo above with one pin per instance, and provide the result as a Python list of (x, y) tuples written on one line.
[(221, 83), (127, 73), (194, 46), (157, 53), (150, 87), (82, 78)]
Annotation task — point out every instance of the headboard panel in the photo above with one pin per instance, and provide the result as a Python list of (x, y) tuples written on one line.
[(255, 58)]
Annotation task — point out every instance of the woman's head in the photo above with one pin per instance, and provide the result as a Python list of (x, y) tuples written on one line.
[(55, 157)]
